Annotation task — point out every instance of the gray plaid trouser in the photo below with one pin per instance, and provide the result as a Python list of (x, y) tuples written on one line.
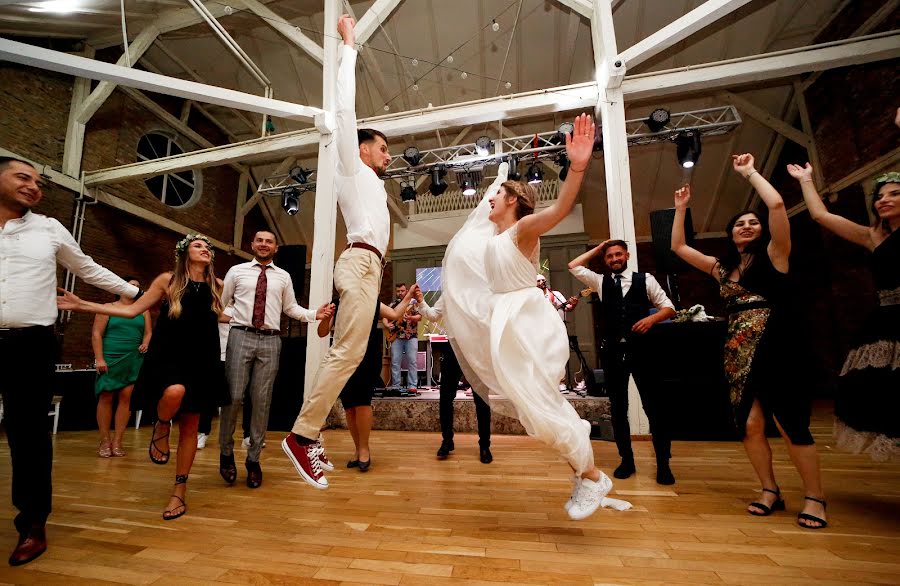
[(249, 358)]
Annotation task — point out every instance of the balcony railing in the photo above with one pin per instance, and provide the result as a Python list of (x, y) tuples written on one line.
[(455, 201)]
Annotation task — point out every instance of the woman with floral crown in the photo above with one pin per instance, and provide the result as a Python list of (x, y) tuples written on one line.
[(866, 402), (182, 374)]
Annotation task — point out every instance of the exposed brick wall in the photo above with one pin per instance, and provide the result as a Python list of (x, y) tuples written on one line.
[(36, 109)]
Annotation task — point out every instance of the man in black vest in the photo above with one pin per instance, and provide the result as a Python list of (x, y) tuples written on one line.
[(626, 298)]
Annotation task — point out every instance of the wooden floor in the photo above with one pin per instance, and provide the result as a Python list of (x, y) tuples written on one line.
[(414, 520)]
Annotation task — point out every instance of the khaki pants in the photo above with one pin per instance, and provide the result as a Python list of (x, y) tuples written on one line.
[(357, 278)]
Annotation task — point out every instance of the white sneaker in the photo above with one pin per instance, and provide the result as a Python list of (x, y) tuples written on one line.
[(246, 443), (201, 440), (588, 497), (576, 481), (563, 388)]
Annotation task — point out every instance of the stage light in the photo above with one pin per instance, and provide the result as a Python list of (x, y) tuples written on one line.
[(513, 174), (560, 136), (658, 119), (408, 193), (300, 175), (438, 185), (535, 173), (412, 156), (290, 200), (563, 161), (466, 183), (483, 146), (688, 148)]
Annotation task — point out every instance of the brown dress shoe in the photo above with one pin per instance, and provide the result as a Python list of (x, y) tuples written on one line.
[(31, 546)]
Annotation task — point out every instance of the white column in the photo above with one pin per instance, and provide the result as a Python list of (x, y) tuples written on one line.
[(74, 148), (325, 218), (611, 109)]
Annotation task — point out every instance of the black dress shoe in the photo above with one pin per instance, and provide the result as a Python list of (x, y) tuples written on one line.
[(364, 466), (486, 456), (254, 474), (31, 545), (664, 474), (353, 464), (445, 449), (227, 468), (625, 469)]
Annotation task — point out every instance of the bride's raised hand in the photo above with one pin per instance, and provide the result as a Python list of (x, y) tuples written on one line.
[(580, 144), (682, 197)]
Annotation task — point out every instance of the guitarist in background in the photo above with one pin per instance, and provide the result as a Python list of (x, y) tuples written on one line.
[(562, 306), (625, 301), (403, 337)]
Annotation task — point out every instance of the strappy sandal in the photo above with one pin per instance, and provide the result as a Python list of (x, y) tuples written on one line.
[(778, 505), (813, 518), (170, 514), (104, 451), (153, 440)]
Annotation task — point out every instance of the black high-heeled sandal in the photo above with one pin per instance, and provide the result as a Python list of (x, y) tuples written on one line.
[(813, 518), (170, 514), (153, 439), (778, 505)]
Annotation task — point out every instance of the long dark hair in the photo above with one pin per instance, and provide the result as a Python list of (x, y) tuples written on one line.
[(879, 222), (732, 257)]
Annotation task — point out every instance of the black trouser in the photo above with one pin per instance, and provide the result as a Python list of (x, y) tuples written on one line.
[(451, 374), (27, 359), (620, 360)]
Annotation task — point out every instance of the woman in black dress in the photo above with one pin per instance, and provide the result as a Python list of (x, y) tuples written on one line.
[(866, 403), (753, 279), (356, 396), (182, 374)]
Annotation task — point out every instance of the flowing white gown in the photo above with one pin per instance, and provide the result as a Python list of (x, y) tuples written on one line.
[(510, 342)]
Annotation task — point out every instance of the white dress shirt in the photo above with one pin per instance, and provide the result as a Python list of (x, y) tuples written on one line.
[(240, 289), (431, 313), (30, 247), (655, 293), (360, 193), (224, 330)]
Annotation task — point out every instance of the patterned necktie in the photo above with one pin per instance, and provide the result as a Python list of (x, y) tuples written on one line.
[(618, 288), (259, 303)]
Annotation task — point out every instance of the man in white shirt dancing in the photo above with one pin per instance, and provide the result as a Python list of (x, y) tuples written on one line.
[(625, 302), (30, 247), (261, 292), (362, 157)]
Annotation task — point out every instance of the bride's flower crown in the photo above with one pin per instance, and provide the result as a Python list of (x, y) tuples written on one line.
[(186, 241)]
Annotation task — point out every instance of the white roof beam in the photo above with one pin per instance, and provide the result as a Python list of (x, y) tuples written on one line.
[(582, 7), (698, 18), (105, 88), (373, 18), (291, 33), (81, 67)]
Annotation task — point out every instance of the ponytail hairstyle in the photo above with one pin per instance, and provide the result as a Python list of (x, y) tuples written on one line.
[(525, 195)]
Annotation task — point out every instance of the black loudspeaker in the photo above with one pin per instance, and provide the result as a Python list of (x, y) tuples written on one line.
[(292, 258), (287, 394), (668, 262)]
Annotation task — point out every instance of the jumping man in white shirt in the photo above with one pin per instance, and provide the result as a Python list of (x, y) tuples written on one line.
[(261, 292), (362, 157), (30, 247)]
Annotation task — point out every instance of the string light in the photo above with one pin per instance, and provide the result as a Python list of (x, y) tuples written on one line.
[(464, 75), (415, 62), (494, 26), (450, 59)]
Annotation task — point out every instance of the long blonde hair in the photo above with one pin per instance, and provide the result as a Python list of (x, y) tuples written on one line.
[(180, 277)]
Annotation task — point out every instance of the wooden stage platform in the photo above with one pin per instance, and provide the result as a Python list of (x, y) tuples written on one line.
[(414, 520)]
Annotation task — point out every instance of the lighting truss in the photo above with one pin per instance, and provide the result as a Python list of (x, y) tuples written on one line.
[(275, 184), (541, 146)]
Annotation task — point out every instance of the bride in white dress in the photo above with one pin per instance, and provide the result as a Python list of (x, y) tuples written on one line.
[(510, 342)]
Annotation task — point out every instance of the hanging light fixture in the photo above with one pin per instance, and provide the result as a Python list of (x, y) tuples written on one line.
[(483, 146), (412, 156), (300, 175), (563, 161), (513, 174), (408, 193), (535, 173), (290, 200), (658, 119), (466, 183), (687, 148), (438, 185)]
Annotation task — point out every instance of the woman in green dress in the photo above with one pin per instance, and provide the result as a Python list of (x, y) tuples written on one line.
[(119, 345)]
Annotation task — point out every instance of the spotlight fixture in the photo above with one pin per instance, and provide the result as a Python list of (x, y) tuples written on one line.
[(658, 119), (412, 156), (483, 146), (408, 193), (466, 183), (688, 149), (561, 132), (535, 173), (563, 161), (300, 175), (290, 200), (513, 174), (438, 185)]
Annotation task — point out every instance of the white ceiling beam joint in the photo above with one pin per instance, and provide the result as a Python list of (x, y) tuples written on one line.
[(582, 7), (289, 32), (372, 19), (81, 67), (698, 18)]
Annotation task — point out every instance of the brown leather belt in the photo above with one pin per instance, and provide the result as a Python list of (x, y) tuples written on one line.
[(368, 247), (258, 331)]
